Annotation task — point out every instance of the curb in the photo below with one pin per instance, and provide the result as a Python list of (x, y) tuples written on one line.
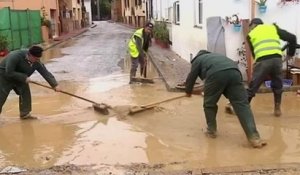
[(252, 169), (55, 43)]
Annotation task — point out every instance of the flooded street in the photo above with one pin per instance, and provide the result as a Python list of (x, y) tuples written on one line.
[(94, 65)]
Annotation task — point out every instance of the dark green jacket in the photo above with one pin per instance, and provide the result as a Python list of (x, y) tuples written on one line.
[(16, 68), (205, 65)]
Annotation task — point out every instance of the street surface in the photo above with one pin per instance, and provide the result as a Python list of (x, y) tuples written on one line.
[(71, 135)]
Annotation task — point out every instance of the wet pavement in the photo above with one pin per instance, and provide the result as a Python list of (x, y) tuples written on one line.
[(170, 138)]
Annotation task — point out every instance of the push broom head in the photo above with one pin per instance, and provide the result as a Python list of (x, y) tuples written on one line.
[(229, 109), (102, 108)]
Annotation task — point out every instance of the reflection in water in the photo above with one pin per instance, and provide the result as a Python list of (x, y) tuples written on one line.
[(151, 70), (33, 144), (113, 143), (56, 52), (211, 157)]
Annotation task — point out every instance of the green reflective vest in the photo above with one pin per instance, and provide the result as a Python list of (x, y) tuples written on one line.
[(265, 41), (133, 51)]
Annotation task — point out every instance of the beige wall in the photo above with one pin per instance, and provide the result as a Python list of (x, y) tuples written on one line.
[(77, 12), (138, 19), (30, 4)]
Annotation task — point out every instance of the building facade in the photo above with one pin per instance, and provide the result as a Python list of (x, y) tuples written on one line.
[(134, 12)]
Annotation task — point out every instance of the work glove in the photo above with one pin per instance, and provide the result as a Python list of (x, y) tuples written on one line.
[(287, 58), (28, 80), (57, 88), (188, 95)]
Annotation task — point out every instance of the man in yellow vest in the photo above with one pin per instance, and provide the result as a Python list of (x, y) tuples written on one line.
[(137, 46), (264, 42)]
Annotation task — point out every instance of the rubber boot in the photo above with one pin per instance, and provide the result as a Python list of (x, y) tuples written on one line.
[(277, 102), (132, 75), (28, 117), (211, 134), (229, 109), (277, 110), (249, 99), (257, 143)]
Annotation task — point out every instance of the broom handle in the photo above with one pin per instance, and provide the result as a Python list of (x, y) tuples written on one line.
[(162, 101), (64, 92), (144, 73)]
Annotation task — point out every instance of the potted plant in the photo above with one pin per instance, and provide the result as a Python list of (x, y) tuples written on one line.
[(161, 34), (261, 5), (235, 20), (3, 45), (46, 25)]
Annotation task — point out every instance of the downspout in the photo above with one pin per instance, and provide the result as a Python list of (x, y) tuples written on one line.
[(160, 9), (253, 7), (248, 52), (98, 9)]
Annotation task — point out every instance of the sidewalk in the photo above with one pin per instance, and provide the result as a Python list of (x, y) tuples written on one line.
[(169, 65), (62, 38)]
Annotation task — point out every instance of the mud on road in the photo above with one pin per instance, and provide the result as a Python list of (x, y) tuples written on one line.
[(145, 169)]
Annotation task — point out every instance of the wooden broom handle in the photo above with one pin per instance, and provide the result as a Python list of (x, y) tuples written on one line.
[(64, 92)]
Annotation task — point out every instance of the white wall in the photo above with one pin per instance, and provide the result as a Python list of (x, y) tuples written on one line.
[(160, 9), (233, 39), (286, 16)]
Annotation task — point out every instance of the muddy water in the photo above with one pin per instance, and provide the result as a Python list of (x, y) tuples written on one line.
[(172, 136), (69, 131)]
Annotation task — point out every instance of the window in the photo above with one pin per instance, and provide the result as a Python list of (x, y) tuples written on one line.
[(199, 13), (176, 13), (138, 2), (126, 2), (169, 14)]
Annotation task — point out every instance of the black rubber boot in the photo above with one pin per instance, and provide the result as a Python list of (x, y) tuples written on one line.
[(132, 75), (277, 110), (257, 143), (277, 102)]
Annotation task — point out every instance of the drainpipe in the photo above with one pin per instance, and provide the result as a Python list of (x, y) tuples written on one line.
[(98, 9), (248, 53), (160, 10), (253, 9)]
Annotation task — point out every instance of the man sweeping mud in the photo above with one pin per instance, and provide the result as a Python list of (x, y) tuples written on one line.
[(222, 76), (15, 70), (264, 42), (138, 45)]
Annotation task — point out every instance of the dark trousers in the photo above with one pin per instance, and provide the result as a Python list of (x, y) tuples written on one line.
[(134, 65), (22, 90), (229, 83), (270, 67)]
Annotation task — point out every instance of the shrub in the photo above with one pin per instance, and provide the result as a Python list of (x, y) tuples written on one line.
[(3, 42)]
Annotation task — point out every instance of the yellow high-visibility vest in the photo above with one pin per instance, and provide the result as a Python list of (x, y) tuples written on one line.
[(265, 41), (133, 51)]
